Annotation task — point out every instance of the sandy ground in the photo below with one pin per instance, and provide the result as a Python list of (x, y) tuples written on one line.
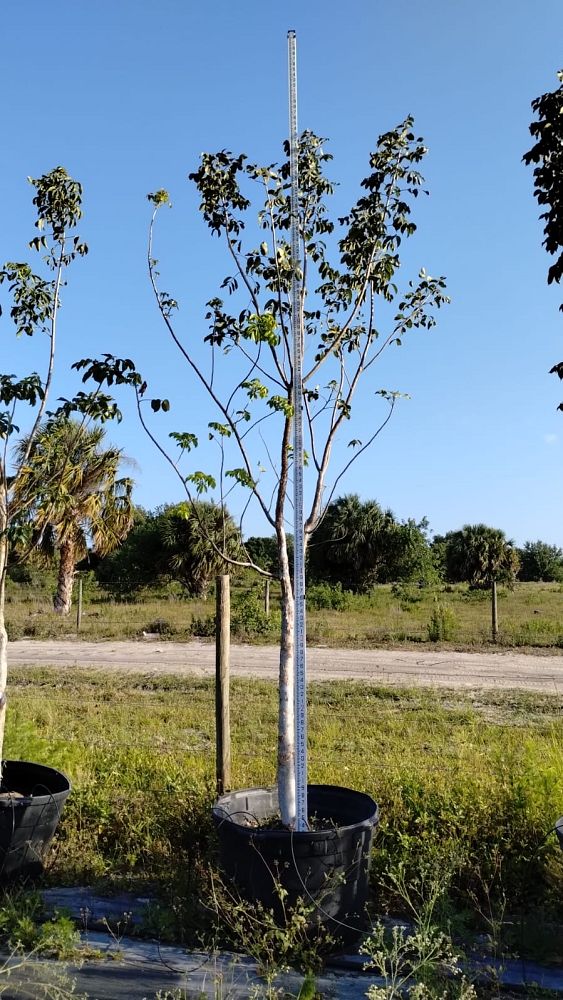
[(382, 666)]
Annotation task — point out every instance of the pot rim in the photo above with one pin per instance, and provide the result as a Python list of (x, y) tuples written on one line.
[(44, 796), (222, 816)]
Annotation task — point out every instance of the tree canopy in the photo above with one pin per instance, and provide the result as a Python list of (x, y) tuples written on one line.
[(358, 544), (73, 496), (176, 542), (478, 555), (547, 155), (540, 562)]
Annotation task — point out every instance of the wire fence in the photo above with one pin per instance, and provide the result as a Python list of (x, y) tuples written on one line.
[(531, 615)]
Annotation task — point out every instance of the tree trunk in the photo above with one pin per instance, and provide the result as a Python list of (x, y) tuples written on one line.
[(494, 611), (286, 735), (63, 598), (3, 633)]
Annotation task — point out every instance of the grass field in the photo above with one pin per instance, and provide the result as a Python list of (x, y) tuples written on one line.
[(531, 615), (468, 789)]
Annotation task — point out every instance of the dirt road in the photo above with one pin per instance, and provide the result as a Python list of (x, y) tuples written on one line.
[(382, 666)]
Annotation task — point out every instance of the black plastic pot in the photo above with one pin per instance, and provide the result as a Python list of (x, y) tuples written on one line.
[(32, 797), (328, 866)]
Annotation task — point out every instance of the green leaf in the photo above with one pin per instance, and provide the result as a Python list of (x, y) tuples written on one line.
[(242, 477), (255, 389), (282, 405), (160, 197), (185, 440), (202, 481), (221, 429), (262, 329)]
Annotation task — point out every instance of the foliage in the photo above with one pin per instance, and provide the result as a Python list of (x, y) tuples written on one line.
[(197, 539), (34, 309), (540, 562), (417, 960), (138, 561), (329, 596), (443, 624), (468, 787), (358, 545), (477, 554), (347, 267), (248, 620), (179, 542), (72, 497), (300, 943), (263, 550), (547, 155)]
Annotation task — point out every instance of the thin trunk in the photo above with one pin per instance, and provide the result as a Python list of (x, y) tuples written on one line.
[(286, 735), (63, 598), (494, 611), (3, 633)]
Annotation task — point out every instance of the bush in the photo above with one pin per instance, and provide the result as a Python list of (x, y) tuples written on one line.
[(161, 626), (443, 624), (408, 593), (321, 596), (248, 619)]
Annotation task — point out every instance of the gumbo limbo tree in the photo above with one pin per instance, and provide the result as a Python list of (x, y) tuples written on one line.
[(35, 303), (352, 311)]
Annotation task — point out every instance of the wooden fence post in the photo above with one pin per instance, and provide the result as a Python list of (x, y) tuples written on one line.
[(267, 597), (222, 657), (79, 605)]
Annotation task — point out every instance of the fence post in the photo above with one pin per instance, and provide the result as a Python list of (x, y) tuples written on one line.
[(79, 605), (267, 597), (494, 611), (222, 656)]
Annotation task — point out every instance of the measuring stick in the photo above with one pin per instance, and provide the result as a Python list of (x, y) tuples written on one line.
[(300, 667)]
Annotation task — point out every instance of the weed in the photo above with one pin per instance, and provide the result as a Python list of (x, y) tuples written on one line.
[(443, 624)]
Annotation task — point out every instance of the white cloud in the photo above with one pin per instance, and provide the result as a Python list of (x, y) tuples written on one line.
[(550, 438)]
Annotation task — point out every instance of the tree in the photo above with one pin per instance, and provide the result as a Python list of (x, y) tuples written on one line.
[(540, 562), (358, 544), (479, 555), (263, 551), (547, 154), (170, 544), (72, 495), (353, 544), (35, 303), (352, 312), (187, 554)]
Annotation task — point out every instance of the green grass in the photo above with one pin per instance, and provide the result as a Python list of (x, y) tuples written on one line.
[(465, 788), (530, 616)]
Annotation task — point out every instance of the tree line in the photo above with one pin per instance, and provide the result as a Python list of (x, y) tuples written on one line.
[(358, 544)]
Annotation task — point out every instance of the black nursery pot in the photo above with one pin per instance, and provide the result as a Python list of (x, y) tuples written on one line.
[(27, 824), (328, 867)]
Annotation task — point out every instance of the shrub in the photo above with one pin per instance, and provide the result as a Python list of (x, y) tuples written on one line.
[(321, 596), (248, 619), (161, 626), (443, 624)]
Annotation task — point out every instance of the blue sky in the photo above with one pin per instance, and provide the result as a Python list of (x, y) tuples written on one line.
[(126, 94)]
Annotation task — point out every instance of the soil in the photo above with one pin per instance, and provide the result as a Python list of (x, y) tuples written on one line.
[(393, 667)]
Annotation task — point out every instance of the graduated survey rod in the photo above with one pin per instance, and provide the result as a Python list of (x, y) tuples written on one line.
[(222, 683), (300, 668)]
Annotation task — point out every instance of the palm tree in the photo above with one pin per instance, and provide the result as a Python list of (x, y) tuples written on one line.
[(480, 556), (196, 538), (352, 544), (72, 497)]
